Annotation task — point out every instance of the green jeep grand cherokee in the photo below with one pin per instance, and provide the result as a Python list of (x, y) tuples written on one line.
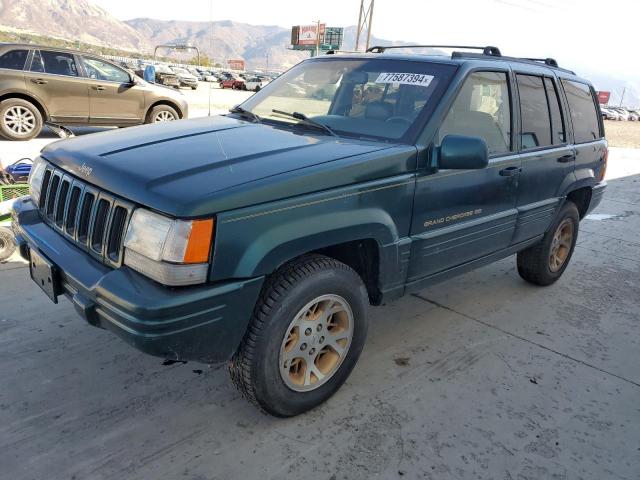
[(262, 236)]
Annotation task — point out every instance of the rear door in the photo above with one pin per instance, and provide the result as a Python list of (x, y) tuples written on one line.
[(53, 78), (547, 156), (113, 97), (462, 215)]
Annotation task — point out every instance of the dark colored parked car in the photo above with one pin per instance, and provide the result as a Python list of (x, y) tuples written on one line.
[(261, 237), (66, 87)]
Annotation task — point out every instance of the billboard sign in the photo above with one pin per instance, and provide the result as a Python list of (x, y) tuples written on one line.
[(236, 64), (307, 34), (332, 38), (603, 97)]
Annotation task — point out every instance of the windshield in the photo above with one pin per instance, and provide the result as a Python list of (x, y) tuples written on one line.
[(180, 70), (383, 98)]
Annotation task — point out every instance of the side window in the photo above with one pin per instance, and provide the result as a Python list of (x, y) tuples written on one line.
[(37, 65), (584, 116), (536, 122), (99, 70), (14, 59), (482, 109), (558, 135), (56, 63)]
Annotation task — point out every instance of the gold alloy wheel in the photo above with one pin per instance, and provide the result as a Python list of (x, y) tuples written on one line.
[(316, 343), (561, 245)]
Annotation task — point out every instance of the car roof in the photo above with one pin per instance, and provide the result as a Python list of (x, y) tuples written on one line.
[(489, 58)]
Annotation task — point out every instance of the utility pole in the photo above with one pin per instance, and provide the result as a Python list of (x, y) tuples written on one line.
[(365, 18), (317, 22), (266, 70), (622, 97)]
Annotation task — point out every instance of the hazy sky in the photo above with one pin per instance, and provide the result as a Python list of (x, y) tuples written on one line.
[(580, 34)]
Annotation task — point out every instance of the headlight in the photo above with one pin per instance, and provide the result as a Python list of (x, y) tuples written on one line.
[(172, 252), (35, 179)]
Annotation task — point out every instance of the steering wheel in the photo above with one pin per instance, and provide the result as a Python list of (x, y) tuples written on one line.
[(399, 120)]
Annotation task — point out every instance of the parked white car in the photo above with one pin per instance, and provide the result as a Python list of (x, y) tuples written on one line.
[(255, 84)]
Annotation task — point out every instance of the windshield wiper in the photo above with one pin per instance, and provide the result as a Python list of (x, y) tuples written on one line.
[(245, 113), (303, 119)]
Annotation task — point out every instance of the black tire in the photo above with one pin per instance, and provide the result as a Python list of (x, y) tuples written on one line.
[(255, 368), (29, 109), (534, 263), (257, 89), (7, 243), (152, 116), (194, 88)]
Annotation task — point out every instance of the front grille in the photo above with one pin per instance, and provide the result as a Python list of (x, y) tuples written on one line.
[(91, 218)]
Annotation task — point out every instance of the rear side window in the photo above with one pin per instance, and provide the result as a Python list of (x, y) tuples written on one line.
[(557, 121), (536, 121), (482, 109), (14, 60), (56, 63), (584, 116)]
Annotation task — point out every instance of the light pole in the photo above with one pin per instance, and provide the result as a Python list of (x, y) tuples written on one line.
[(317, 22)]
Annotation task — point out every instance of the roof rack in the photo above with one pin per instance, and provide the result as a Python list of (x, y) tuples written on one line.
[(336, 52), (492, 51), (547, 61)]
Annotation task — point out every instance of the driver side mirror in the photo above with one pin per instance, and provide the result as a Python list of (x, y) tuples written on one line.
[(458, 152)]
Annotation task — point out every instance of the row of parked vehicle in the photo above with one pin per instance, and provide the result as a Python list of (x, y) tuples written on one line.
[(620, 113)]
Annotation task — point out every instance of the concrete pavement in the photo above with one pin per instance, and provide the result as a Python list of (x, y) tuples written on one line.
[(483, 376)]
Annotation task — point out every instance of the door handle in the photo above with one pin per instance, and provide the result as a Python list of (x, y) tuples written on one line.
[(510, 171), (39, 81), (570, 157), (100, 88)]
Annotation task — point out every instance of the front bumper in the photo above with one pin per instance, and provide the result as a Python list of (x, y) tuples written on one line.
[(201, 323)]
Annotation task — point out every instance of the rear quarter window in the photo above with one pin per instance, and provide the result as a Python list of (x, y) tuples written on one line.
[(14, 59), (582, 107)]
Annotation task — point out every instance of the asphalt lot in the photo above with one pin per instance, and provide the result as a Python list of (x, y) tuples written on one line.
[(483, 376)]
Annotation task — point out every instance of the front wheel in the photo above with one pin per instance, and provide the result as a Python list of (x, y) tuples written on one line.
[(544, 263), (306, 334), (162, 113)]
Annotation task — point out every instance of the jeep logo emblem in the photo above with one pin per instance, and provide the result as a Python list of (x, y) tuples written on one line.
[(85, 170)]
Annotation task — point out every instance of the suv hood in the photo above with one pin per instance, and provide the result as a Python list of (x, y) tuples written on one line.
[(186, 168)]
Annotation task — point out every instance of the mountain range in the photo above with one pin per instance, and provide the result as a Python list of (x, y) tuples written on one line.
[(82, 20)]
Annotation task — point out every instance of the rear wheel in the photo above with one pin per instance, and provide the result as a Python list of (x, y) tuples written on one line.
[(19, 119), (544, 263), (162, 113), (306, 334)]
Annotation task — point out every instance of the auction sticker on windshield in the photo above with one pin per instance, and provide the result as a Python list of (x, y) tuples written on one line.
[(405, 78)]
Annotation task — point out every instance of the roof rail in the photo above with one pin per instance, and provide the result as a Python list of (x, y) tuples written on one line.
[(547, 61), (492, 51), (335, 52)]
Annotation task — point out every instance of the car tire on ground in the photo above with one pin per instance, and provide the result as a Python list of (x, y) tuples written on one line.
[(7, 243), (162, 113), (194, 88), (257, 89), (305, 336), (19, 119), (543, 263)]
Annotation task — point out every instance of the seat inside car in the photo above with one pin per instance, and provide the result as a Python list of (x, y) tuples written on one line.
[(378, 111)]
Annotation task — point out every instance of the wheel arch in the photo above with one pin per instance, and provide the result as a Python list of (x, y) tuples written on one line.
[(168, 103), (29, 98)]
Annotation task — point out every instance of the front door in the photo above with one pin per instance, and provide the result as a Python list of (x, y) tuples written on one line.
[(53, 78), (114, 98), (462, 215)]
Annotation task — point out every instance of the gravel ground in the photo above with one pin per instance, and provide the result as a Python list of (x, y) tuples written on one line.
[(622, 134)]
